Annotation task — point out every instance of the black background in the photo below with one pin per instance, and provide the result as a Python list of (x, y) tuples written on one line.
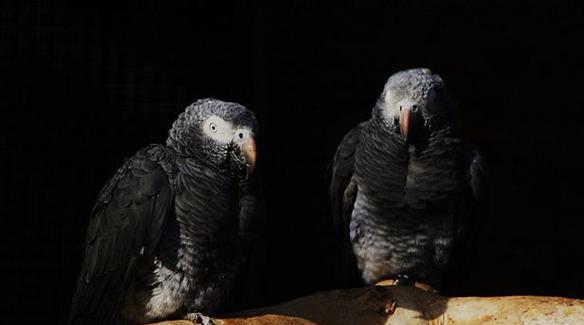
[(82, 88)]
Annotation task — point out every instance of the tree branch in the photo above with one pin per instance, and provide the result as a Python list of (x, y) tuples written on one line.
[(408, 305)]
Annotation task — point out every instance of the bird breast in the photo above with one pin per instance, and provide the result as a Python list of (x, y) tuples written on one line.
[(169, 293)]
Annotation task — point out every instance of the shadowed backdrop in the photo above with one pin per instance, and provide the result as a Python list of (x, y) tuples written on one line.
[(82, 88)]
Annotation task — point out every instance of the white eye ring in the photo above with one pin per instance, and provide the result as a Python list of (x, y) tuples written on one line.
[(212, 127)]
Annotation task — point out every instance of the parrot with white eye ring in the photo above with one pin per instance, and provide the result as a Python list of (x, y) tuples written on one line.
[(406, 186), (164, 238)]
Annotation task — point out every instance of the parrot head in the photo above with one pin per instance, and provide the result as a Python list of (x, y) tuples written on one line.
[(413, 102), (217, 132)]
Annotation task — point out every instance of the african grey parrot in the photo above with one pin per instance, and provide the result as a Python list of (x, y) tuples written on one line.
[(406, 185), (164, 238)]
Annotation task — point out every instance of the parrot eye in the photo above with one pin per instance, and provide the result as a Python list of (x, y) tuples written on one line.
[(218, 129), (240, 135), (414, 108)]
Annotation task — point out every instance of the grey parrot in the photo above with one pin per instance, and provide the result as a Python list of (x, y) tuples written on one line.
[(165, 236), (406, 186)]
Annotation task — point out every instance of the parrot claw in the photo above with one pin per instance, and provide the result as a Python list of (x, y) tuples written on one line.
[(403, 280), (200, 319)]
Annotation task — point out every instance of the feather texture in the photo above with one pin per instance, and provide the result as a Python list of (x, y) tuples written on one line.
[(126, 223), (403, 209), (165, 237), (405, 204)]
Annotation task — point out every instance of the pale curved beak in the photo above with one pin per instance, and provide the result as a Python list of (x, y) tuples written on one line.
[(404, 123), (250, 153), (407, 125)]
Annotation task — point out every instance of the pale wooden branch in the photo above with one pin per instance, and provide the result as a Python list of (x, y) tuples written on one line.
[(408, 305)]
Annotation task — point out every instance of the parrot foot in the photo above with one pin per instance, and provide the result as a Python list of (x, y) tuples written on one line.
[(404, 280), (200, 319), (426, 287)]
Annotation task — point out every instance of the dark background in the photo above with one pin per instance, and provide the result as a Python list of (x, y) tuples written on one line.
[(83, 88)]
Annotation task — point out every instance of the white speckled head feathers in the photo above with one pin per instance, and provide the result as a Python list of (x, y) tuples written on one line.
[(207, 127), (414, 90)]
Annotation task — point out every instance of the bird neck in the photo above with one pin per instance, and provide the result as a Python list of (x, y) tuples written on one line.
[(206, 201)]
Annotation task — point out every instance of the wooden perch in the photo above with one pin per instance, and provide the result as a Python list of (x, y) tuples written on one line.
[(387, 304)]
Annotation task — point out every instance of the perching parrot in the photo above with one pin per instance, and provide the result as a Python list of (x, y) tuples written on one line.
[(406, 186), (165, 236)]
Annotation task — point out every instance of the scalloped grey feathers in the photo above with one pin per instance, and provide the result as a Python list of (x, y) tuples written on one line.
[(164, 237), (405, 206)]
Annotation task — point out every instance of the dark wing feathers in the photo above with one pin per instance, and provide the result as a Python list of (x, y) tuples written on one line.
[(467, 218), (127, 220), (342, 194), (342, 172), (475, 200), (477, 175)]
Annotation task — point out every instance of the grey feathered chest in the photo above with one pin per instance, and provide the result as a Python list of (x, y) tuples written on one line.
[(403, 217), (198, 254)]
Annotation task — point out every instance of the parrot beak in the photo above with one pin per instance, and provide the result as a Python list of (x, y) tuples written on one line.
[(406, 124), (249, 151)]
